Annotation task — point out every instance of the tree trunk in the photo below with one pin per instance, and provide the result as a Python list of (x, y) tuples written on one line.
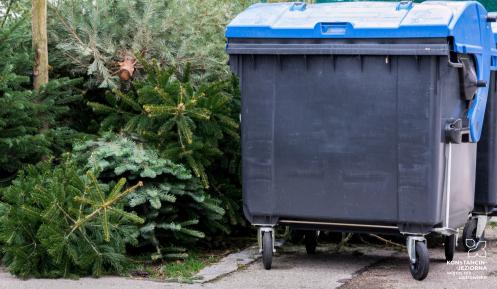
[(40, 42)]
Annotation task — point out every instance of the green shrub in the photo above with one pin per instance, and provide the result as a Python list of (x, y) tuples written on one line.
[(176, 209), (55, 222)]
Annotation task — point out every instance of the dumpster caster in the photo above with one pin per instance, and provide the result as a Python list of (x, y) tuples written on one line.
[(311, 242), (450, 247), (418, 257), (267, 247), (474, 233)]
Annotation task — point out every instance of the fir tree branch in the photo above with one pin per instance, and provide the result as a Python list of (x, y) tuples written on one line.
[(89, 242), (74, 59), (66, 25), (64, 212), (80, 211), (93, 179), (103, 206)]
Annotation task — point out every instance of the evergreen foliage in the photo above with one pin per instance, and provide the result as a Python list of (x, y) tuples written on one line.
[(185, 123), (55, 222), (195, 36), (32, 123), (179, 135), (19, 138), (225, 172), (91, 36), (176, 210)]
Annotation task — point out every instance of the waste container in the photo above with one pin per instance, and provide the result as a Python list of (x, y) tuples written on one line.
[(486, 177), (361, 117), (486, 171)]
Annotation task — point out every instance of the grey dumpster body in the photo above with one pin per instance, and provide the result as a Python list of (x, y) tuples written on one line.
[(486, 170), (486, 184), (353, 139), (486, 176)]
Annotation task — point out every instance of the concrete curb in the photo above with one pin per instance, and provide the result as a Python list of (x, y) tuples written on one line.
[(227, 265)]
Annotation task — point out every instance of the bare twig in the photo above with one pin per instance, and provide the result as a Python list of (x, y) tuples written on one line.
[(387, 241), (345, 239), (7, 12), (364, 241)]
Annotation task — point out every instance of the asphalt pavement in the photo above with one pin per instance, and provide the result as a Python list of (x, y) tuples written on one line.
[(370, 267)]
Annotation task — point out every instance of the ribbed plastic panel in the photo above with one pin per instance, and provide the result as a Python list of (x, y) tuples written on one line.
[(491, 5)]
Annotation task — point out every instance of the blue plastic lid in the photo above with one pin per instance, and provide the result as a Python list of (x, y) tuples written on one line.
[(352, 20)]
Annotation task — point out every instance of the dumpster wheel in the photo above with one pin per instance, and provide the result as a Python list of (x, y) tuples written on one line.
[(267, 249), (311, 241), (469, 239), (421, 266), (450, 247)]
